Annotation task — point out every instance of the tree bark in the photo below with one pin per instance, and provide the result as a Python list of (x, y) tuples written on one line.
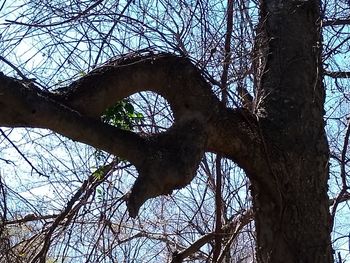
[(292, 222), (164, 161)]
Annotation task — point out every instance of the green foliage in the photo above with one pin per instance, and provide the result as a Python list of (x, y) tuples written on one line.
[(99, 173), (99, 194), (122, 115)]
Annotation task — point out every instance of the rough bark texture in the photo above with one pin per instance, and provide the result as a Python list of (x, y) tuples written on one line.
[(290, 113), (281, 146), (165, 161)]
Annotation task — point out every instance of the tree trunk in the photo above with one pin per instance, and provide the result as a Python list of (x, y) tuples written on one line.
[(292, 215)]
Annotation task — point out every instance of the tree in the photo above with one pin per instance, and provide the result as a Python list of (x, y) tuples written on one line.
[(276, 136)]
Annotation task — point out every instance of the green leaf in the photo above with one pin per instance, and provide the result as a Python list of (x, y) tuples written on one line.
[(122, 115), (99, 173), (129, 108)]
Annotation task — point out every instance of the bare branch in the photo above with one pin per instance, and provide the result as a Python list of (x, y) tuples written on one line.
[(337, 74), (165, 161), (336, 22), (29, 218), (23, 106), (21, 154), (74, 18), (232, 230), (72, 206)]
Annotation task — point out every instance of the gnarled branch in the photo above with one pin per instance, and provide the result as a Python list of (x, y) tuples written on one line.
[(165, 161)]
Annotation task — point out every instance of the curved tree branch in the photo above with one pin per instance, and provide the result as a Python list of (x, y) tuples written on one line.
[(165, 161)]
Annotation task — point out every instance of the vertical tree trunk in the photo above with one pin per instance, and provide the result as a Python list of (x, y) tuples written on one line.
[(292, 216)]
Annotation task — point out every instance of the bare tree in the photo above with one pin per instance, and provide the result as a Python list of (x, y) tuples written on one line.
[(236, 93)]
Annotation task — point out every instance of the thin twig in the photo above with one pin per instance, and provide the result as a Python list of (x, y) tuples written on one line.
[(86, 189), (344, 189), (74, 18), (337, 74), (232, 229), (336, 22), (23, 156)]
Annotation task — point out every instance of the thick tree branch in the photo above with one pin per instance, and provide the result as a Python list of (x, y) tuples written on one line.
[(165, 161), (175, 78), (23, 106), (178, 81)]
